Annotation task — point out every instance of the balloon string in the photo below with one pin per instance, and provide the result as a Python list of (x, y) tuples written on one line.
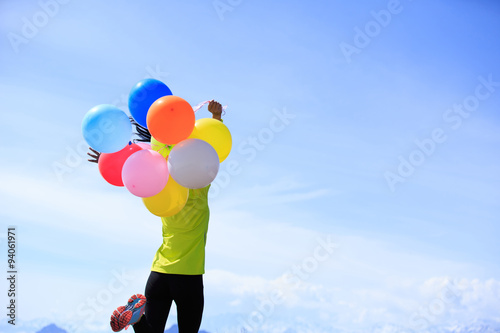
[(165, 146), (198, 106)]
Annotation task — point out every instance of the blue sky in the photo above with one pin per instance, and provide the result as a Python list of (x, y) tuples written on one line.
[(315, 135)]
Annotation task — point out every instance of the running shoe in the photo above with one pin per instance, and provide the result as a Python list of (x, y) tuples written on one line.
[(127, 315)]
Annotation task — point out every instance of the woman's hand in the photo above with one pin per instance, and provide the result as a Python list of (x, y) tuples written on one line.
[(95, 157), (216, 109)]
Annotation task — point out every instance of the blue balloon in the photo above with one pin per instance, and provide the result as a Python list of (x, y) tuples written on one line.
[(106, 128), (142, 95)]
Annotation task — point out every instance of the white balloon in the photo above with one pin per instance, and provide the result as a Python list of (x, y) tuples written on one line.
[(193, 163)]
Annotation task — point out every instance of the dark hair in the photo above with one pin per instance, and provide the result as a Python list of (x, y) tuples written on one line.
[(141, 131)]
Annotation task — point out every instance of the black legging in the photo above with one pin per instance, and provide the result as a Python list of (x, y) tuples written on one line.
[(161, 289)]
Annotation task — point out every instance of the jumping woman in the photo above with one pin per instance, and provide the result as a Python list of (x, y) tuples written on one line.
[(178, 266)]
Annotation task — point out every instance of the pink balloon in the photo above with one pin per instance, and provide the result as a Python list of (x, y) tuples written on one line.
[(145, 173)]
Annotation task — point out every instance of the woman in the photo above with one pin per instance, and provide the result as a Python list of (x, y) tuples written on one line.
[(178, 266)]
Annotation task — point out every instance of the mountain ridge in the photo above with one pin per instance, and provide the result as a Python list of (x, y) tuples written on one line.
[(53, 328)]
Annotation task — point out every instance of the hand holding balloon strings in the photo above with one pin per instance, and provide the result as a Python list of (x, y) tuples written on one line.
[(95, 157), (200, 105), (216, 109)]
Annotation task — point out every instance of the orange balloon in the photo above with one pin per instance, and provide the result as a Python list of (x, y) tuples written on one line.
[(170, 119)]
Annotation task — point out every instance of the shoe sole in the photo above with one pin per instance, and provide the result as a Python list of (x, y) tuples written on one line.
[(120, 319)]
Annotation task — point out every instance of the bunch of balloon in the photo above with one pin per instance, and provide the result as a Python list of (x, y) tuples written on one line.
[(184, 153)]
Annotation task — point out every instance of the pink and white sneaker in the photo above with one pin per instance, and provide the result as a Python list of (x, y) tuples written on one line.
[(127, 315)]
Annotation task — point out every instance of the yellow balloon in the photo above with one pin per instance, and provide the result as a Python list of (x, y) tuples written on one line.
[(162, 148), (169, 201), (215, 133)]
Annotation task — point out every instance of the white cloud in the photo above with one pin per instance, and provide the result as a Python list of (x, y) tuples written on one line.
[(282, 191), (75, 301), (75, 206), (463, 302)]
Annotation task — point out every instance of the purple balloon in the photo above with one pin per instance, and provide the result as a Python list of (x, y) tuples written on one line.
[(193, 163)]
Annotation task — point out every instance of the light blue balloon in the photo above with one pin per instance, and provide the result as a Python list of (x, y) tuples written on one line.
[(106, 128)]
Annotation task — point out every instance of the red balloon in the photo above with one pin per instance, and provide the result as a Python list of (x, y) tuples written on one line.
[(111, 165)]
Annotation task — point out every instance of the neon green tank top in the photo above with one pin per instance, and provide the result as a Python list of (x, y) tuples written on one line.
[(185, 237)]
